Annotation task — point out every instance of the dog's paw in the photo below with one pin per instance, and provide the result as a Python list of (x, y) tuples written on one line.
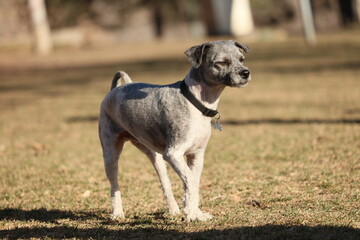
[(174, 211), (116, 215), (199, 215)]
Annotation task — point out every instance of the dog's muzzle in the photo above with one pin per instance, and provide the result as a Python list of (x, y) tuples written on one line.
[(244, 74), (245, 77), (238, 78)]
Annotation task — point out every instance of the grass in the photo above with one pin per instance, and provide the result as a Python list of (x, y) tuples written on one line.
[(286, 165)]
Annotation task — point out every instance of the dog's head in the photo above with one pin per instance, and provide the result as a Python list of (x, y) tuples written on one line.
[(220, 63)]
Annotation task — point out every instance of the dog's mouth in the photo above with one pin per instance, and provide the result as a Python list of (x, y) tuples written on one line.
[(236, 81), (241, 83)]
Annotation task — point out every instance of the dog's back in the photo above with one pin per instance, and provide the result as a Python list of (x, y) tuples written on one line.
[(139, 106)]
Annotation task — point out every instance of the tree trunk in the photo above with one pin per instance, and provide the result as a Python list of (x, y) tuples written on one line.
[(158, 19), (241, 18), (41, 29), (308, 21)]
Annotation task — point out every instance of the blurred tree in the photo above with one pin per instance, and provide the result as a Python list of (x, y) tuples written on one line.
[(158, 18), (15, 27), (43, 42), (273, 12), (308, 21), (14, 19), (67, 13), (111, 20), (227, 17), (207, 14), (348, 11), (326, 14), (165, 11), (113, 14), (356, 5), (242, 22)]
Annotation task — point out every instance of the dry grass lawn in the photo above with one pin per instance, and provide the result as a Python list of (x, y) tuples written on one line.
[(286, 165)]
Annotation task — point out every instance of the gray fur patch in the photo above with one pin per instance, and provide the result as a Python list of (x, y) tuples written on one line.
[(157, 116)]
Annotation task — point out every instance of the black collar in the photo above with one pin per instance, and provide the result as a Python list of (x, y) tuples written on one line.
[(204, 110)]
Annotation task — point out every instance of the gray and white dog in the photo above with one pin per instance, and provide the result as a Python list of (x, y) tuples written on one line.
[(171, 123)]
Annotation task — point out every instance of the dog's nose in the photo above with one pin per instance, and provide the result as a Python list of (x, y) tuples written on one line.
[(245, 74)]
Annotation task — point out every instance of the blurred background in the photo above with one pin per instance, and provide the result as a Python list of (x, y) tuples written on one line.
[(75, 44), (43, 25), (54, 49)]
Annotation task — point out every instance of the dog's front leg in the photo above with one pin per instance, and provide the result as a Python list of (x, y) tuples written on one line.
[(196, 163), (191, 186)]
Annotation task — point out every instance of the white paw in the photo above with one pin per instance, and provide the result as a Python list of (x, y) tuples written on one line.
[(174, 211), (199, 215), (117, 215)]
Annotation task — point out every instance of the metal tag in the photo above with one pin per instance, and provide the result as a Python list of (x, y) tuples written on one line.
[(216, 123), (217, 126)]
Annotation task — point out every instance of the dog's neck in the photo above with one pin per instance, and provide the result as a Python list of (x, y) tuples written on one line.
[(208, 95)]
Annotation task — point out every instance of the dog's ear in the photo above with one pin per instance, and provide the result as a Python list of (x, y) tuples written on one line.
[(243, 47), (196, 54)]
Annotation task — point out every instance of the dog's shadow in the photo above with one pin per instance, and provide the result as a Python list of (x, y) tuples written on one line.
[(51, 225), (43, 215)]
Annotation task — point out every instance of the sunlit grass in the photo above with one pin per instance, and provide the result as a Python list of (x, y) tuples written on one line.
[(291, 142)]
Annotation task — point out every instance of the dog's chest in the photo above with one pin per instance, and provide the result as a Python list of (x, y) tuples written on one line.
[(199, 131)]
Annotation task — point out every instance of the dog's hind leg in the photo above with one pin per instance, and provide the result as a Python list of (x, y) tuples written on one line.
[(112, 140), (160, 167), (161, 170)]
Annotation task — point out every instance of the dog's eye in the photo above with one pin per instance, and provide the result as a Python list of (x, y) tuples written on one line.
[(222, 63), (242, 59)]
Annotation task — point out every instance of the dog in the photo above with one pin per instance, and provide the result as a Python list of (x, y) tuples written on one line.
[(171, 123)]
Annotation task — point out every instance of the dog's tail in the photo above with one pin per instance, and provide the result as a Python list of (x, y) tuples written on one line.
[(118, 76)]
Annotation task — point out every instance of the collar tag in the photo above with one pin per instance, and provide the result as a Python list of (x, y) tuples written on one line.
[(216, 122)]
